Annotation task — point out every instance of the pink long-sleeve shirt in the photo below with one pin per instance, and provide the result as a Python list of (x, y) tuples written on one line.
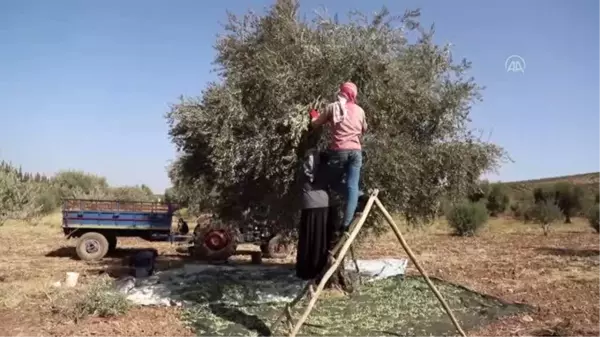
[(345, 135)]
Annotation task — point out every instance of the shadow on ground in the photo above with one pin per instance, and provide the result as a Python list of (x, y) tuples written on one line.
[(120, 256), (115, 263), (568, 252), (69, 252)]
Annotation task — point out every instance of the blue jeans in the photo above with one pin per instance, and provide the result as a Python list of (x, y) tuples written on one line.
[(344, 175)]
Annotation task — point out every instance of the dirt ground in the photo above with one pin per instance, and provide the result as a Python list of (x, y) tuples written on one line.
[(558, 274)]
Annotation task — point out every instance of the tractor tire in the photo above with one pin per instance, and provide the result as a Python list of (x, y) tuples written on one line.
[(275, 248), (92, 246), (213, 243)]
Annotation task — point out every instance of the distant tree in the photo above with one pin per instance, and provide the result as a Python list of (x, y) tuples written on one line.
[(480, 191), (545, 213), (131, 193), (593, 217), (25, 195), (75, 184), (16, 198), (467, 217), (497, 199), (569, 198), (543, 194), (147, 190), (521, 210), (170, 195)]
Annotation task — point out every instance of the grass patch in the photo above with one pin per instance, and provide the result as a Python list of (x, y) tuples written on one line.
[(102, 300), (98, 299)]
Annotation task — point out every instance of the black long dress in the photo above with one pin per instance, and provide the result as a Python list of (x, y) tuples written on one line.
[(317, 229), (318, 223)]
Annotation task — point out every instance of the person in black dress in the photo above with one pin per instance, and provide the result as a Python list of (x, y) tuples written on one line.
[(319, 220), (182, 227)]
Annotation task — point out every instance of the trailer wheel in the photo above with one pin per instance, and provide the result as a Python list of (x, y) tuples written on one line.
[(92, 246), (276, 248), (213, 243)]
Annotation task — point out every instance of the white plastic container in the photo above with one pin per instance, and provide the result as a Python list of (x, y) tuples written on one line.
[(71, 279)]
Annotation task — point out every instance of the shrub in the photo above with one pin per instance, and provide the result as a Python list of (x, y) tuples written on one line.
[(48, 200), (182, 213), (518, 210), (131, 193), (101, 300), (466, 218), (545, 213), (515, 210), (593, 217), (522, 211), (16, 197)]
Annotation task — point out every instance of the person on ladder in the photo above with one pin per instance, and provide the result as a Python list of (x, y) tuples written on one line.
[(347, 123)]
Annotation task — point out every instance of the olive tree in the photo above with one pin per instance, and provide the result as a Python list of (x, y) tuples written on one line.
[(497, 199), (569, 198), (545, 213), (241, 140), (17, 199)]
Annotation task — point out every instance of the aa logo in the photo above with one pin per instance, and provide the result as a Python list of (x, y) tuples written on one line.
[(515, 64)]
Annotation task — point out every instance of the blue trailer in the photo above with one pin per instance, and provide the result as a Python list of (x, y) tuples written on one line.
[(98, 223)]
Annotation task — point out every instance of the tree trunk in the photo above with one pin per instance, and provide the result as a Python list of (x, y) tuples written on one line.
[(546, 228), (341, 279), (567, 218)]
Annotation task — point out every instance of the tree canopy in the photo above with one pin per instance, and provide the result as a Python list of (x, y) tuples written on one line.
[(243, 137)]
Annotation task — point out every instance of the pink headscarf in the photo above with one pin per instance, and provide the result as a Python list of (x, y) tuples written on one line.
[(346, 94), (350, 91)]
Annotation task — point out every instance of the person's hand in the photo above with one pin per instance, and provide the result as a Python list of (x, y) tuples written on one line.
[(314, 114)]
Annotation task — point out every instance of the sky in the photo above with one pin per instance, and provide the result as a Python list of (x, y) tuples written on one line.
[(85, 85)]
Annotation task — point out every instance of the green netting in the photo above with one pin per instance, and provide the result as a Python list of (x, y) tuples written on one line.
[(395, 306)]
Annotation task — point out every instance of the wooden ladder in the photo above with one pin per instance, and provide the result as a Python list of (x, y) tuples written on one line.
[(336, 256)]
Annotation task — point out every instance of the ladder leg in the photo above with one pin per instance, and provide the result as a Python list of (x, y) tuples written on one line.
[(410, 254), (287, 309)]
